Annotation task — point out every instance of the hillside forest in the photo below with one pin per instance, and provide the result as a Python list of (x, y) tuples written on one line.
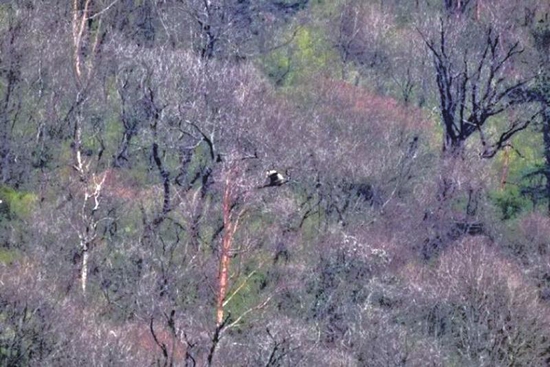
[(404, 219)]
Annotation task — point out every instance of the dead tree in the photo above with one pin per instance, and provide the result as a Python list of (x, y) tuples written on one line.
[(87, 40), (230, 225), (474, 87)]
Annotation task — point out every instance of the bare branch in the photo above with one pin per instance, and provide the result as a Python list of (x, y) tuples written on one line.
[(502, 141)]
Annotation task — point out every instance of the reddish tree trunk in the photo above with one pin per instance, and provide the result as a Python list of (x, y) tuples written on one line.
[(227, 239)]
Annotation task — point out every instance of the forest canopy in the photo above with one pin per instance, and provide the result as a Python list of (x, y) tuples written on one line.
[(275, 183)]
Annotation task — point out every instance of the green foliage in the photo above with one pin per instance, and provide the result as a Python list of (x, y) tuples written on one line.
[(113, 131), (335, 251), (277, 66), (5, 14), (310, 49), (8, 256), (20, 204), (308, 56), (510, 202), (22, 335), (246, 291), (523, 178)]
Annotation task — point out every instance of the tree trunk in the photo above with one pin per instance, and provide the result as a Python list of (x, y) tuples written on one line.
[(225, 252), (453, 147), (505, 168), (230, 225), (84, 270), (546, 139)]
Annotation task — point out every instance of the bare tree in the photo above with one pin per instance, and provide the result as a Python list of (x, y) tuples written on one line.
[(474, 87), (230, 29), (479, 304), (87, 42), (540, 93)]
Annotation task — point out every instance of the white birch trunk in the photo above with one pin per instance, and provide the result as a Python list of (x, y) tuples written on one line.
[(84, 270)]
